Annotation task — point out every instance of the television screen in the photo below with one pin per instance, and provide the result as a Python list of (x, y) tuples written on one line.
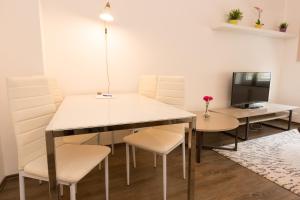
[(250, 87)]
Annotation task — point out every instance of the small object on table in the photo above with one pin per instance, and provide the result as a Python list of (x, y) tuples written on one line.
[(207, 99), (101, 95), (215, 123)]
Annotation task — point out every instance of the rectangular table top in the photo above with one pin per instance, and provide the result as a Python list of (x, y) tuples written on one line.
[(268, 108), (85, 111)]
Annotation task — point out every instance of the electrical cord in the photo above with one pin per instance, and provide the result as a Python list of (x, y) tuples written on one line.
[(106, 60)]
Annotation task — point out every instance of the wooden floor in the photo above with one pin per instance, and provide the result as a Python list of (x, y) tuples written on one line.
[(217, 179)]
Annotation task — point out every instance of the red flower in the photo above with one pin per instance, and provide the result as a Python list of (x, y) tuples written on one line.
[(208, 98)]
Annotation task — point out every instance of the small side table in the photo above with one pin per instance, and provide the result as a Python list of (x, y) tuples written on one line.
[(215, 123)]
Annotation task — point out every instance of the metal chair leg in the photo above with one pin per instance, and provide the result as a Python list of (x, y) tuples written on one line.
[(112, 143), (22, 186), (99, 142), (61, 190), (127, 164), (183, 160), (106, 179), (133, 157), (165, 176), (73, 192)]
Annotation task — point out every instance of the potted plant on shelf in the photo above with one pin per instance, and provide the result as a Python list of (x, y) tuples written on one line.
[(235, 16), (283, 27), (258, 23)]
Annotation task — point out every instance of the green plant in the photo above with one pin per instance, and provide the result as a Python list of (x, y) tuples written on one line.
[(235, 14), (284, 25)]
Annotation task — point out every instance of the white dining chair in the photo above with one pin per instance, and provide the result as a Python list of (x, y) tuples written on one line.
[(32, 107), (161, 140), (77, 139), (58, 97), (148, 85)]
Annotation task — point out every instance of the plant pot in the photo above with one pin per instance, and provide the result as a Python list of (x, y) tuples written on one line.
[(259, 26), (282, 30), (233, 21)]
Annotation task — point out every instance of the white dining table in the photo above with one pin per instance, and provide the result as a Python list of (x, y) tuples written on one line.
[(85, 114)]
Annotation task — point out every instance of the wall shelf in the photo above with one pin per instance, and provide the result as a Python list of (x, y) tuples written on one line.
[(254, 31)]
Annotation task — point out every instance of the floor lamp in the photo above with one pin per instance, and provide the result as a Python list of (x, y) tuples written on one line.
[(107, 18)]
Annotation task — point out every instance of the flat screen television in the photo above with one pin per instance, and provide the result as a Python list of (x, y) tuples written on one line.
[(250, 88)]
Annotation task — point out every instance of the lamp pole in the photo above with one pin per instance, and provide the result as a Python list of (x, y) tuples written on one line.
[(106, 58), (107, 18)]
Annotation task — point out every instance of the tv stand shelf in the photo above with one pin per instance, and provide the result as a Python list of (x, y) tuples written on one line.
[(268, 112), (265, 118)]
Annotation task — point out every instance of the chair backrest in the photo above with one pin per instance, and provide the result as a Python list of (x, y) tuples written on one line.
[(147, 85), (56, 92), (32, 108), (170, 90)]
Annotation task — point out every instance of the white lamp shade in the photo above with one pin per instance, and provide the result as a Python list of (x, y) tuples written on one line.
[(106, 15)]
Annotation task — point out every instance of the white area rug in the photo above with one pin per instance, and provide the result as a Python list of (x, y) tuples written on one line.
[(275, 157)]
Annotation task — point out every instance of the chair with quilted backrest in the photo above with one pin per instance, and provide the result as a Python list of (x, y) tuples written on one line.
[(58, 98), (147, 85), (162, 139), (32, 107), (77, 139)]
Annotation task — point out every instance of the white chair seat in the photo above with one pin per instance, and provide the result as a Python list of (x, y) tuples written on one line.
[(160, 139), (73, 162), (78, 139), (155, 140)]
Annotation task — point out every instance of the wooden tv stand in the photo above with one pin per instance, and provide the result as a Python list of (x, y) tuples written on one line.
[(268, 112)]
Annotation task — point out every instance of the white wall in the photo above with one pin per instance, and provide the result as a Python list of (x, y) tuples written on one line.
[(290, 80), (158, 37), (21, 54)]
